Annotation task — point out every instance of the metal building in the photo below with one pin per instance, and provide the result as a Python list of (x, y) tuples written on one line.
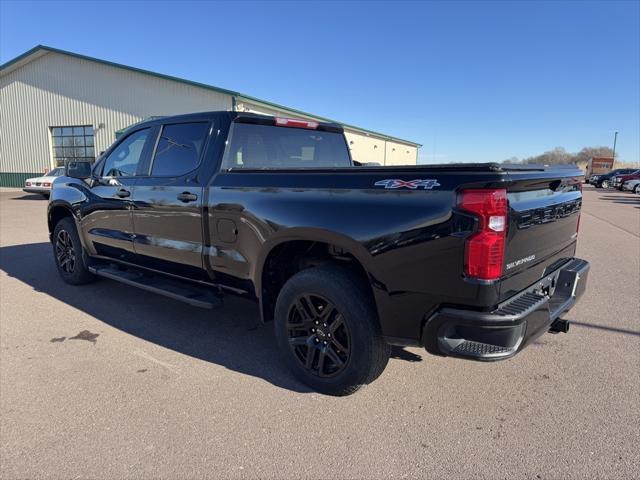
[(56, 105)]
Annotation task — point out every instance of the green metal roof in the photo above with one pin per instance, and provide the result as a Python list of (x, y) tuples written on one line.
[(44, 49)]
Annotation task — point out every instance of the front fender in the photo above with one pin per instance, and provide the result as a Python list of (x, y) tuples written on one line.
[(68, 195)]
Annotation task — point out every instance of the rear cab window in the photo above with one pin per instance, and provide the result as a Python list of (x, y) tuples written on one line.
[(255, 146)]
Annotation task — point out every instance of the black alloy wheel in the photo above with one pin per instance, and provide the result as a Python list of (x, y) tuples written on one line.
[(65, 253), (327, 328), (318, 335), (70, 257)]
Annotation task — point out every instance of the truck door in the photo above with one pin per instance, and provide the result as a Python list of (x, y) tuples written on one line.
[(167, 203), (107, 224)]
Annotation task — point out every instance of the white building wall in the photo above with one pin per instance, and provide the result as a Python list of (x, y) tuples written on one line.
[(62, 90), (55, 90), (400, 154), (365, 149)]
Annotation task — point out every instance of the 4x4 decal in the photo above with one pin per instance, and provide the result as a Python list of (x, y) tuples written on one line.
[(412, 184)]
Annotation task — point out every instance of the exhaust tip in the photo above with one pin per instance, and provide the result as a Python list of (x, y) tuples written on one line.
[(559, 326)]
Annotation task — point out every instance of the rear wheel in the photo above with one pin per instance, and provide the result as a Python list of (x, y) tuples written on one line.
[(327, 328), (69, 255), (636, 189), (605, 184)]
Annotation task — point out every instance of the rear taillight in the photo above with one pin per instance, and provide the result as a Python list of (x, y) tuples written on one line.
[(484, 249), (28, 184), (296, 123), (46, 184)]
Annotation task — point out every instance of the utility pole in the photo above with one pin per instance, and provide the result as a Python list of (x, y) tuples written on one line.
[(615, 137)]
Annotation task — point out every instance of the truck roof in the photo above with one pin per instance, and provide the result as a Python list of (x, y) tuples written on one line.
[(248, 116)]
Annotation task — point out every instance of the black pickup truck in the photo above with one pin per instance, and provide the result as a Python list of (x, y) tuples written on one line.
[(467, 260)]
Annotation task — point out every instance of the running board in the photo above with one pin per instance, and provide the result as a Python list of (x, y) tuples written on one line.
[(182, 291)]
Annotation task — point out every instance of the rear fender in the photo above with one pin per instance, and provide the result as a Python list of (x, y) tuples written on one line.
[(342, 242), (318, 235)]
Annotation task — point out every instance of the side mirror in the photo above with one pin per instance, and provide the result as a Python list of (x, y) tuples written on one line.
[(78, 169)]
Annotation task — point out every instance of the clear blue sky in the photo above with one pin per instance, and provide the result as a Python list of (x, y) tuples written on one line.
[(476, 81)]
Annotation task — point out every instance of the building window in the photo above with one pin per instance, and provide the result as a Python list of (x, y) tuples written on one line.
[(72, 143)]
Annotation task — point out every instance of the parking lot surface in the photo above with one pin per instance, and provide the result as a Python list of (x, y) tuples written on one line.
[(104, 381)]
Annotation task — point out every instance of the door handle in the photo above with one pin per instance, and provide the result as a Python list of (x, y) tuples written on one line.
[(187, 197), (122, 193)]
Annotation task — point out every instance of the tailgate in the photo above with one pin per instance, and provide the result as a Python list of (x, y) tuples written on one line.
[(543, 219)]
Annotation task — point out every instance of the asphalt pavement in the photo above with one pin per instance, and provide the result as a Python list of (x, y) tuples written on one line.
[(105, 381)]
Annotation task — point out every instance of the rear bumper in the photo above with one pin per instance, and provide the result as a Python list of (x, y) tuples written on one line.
[(505, 331)]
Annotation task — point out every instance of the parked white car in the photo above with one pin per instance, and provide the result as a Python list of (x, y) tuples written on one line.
[(632, 185), (42, 185)]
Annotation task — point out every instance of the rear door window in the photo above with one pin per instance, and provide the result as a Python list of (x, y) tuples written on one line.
[(179, 149), (266, 147)]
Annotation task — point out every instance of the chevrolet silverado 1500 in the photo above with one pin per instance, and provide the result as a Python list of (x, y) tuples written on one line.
[(466, 260)]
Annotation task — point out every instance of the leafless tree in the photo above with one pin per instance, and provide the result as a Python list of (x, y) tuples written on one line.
[(559, 156)]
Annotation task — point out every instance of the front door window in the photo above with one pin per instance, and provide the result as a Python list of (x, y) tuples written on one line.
[(124, 159)]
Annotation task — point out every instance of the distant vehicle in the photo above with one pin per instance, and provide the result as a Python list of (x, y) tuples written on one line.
[(467, 260), (618, 180), (632, 185), (598, 166), (604, 181), (42, 185)]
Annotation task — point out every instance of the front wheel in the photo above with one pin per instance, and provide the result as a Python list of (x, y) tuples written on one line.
[(68, 253), (636, 189), (327, 329)]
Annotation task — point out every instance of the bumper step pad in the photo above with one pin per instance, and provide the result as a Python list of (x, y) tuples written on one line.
[(478, 349)]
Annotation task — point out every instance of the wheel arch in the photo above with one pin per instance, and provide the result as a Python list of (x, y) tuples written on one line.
[(284, 256), (56, 212)]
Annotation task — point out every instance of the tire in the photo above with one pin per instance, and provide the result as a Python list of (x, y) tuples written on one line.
[(318, 302), (69, 255), (604, 184), (636, 189)]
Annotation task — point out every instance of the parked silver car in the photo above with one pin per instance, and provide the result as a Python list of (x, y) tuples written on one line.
[(632, 185), (42, 185)]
